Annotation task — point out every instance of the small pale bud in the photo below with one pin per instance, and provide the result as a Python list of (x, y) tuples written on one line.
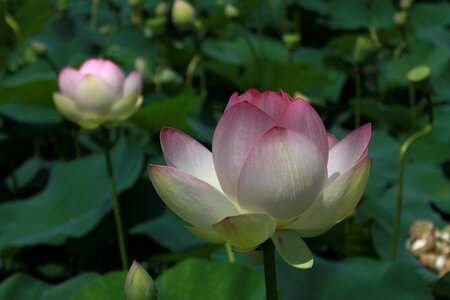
[(183, 14), (419, 74), (406, 4), (400, 18), (38, 48), (161, 9), (291, 39), (364, 48), (231, 11), (139, 284)]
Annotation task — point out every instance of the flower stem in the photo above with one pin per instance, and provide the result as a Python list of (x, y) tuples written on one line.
[(94, 11), (115, 200), (269, 270), (230, 253), (400, 181), (412, 104)]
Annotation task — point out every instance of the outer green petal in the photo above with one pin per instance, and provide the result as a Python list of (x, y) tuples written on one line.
[(205, 234), (245, 231), (293, 249), (123, 108), (337, 202), (68, 108)]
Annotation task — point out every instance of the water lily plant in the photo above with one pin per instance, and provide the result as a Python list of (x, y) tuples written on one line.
[(273, 173), (97, 93)]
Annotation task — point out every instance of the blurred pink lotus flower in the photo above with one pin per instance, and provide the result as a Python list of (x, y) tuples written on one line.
[(274, 172), (97, 93)]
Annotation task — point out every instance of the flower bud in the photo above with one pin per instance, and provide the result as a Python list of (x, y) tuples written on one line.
[(419, 74), (161, 9), (231, 11), (364, 49), (400, 18), (98, 93), (405, 4), (291, 39), (38, 48), (183, 15), (139, 284)]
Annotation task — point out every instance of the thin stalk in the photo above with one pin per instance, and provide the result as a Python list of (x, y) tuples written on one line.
[(192, 66), (76, 143), (412, 103), (401, 171), (115, 200), (269, 270), (94, 12), (230, 253), (400, 182), (358, 93)]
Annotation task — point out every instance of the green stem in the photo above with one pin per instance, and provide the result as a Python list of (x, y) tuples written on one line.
[(400, 181), (115, 200), (412, 103), (358, 93), (269, 270), (230, 253), (94, 12)]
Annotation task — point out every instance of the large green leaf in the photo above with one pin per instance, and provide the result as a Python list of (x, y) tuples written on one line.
[(75, 199), (107, 287), (202, 279), (168, 230), (23, 286), (358, 278), (355, 14), (33, 85), (172, 112)]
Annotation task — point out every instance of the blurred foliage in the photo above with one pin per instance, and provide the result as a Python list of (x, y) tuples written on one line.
[(349, 58)]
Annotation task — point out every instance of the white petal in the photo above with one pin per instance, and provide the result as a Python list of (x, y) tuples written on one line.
[(192, 199), (349, 151), (68, 80), (107, 71), (337, 202), (93, 94), (271, 103), (133, 84), (300, 116), (332, 140), (293, 249), (246, 231), (185, 153), (68, 108), (283, 174), (235, 134), (206, 234)]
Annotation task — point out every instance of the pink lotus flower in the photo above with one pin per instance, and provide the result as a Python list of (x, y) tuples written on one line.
[(97, 93), (274, 172)]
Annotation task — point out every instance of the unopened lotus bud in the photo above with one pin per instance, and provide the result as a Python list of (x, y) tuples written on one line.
[(231, 11), (419, 74), (400, 18), (134, 2), (183, 15), (98, 93), (161, 9), (405, 4), (364, 48), (291, 39), (139, 284), (38, 48)]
